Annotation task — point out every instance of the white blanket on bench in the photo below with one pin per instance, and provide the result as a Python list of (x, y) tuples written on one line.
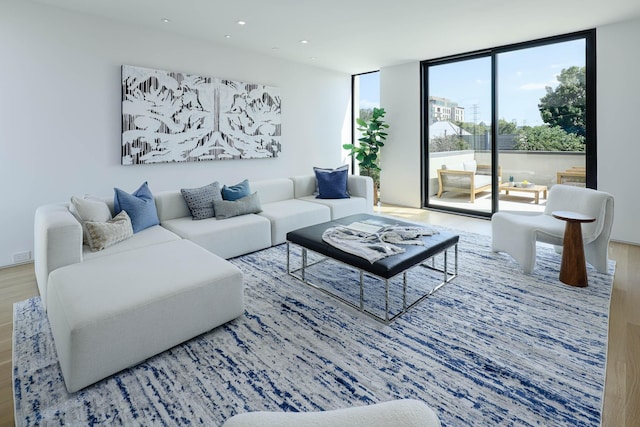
[(375, 246)]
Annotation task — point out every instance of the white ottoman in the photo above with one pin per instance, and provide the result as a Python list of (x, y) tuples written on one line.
[(115, 311), (395, 413)]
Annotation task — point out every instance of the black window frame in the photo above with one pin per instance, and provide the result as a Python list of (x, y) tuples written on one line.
[(591, 114)]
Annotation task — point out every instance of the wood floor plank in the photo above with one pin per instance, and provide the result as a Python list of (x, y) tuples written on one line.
[(614, 395), (632, 384), (6, 414)]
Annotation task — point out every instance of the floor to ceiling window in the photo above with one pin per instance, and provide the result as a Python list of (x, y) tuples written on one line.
[(502, 126), (366, 97)]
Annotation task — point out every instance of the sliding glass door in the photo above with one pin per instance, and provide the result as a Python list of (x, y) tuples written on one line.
[(502, 126), (542, 121), (458, 115)]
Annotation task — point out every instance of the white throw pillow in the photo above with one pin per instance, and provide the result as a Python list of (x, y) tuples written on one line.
[(456, 167), (89, 208), (471, 166)]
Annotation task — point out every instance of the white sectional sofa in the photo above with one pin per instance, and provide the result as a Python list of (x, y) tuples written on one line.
[(96, 300), (287, 204)]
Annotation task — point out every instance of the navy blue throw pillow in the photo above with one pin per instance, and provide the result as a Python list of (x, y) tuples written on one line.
[(332, 184)]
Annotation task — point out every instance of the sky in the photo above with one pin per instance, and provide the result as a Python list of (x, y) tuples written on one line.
[(370, 90), (522, 77)]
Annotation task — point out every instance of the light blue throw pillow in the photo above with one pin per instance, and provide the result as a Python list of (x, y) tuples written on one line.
[(237, 191), (139, 205), (332, 184)]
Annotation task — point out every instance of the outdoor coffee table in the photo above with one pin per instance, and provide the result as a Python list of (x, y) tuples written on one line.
[(535, 189), (310, 239)]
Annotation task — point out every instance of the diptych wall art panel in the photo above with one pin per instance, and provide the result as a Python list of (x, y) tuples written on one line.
[(178, 117)]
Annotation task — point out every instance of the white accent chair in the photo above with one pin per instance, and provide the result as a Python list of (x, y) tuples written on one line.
[(517, 233), (395, 413)]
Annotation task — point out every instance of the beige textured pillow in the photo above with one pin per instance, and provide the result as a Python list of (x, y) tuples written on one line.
[(101, 235)]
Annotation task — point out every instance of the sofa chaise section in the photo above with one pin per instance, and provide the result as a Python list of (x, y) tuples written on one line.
[(112, 312)]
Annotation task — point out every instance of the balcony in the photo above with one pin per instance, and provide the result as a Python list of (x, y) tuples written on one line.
[(538, 167)]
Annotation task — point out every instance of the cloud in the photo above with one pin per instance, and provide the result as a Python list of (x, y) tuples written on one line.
[(533, 86), (553, 82), (365, 103)]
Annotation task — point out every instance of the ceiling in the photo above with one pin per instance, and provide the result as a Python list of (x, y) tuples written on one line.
[(355, 36)]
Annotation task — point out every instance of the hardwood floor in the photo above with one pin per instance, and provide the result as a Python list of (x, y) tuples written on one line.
[(622, 386), (16, 284)]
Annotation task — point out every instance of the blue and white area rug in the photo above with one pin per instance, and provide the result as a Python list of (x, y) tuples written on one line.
[(493, 347)]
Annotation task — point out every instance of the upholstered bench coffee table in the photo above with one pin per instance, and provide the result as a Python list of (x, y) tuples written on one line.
[(310, 239), (113, 312)]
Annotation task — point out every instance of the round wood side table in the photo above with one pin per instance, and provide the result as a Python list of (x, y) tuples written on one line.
[(573, 270)]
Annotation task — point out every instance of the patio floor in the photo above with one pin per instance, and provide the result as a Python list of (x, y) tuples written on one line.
[(515, 202)]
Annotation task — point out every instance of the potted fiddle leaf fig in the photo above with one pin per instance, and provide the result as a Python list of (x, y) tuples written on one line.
[(367, 151)]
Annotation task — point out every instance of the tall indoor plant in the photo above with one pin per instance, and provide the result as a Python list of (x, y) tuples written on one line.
[(367, 152)]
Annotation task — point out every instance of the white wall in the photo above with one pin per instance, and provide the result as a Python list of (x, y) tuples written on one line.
[(60, 112), (400, 157), (618, 99), (60, 115), (618, 111)]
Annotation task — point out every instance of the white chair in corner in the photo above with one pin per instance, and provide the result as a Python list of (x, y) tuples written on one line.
[(395, 413), (517, 233)]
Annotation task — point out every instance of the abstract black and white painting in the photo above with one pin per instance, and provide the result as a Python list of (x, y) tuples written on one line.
[(178, 117)]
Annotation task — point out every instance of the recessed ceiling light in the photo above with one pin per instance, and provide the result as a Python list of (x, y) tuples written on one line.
[(241, 22), (275, 48), (304, 41), (313, 58), (227, 36), (165, 20)]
